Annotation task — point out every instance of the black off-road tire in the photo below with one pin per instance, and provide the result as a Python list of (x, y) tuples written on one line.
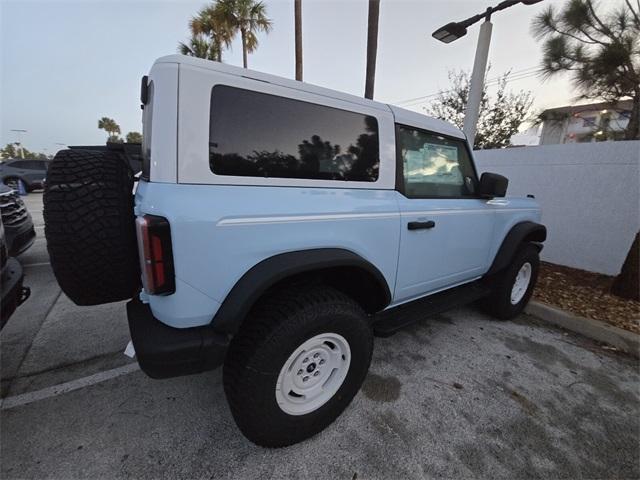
[(271, 333), (90, 226), (499, 304)]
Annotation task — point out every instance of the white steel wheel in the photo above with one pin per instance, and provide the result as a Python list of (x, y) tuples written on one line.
[(313, 373), (521, 283)]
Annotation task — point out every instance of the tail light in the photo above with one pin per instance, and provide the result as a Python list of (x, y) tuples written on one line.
[(156, 256)]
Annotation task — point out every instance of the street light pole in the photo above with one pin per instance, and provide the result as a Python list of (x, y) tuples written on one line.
[(476, 86), (453, 31), (20, 132)]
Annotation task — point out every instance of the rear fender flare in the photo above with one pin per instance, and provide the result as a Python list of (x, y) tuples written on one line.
[(257, 280)]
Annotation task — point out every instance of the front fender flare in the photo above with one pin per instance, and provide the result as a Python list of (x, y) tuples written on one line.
[(519, 234)]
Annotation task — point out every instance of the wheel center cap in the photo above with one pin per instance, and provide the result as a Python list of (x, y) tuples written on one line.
[(311, 367)]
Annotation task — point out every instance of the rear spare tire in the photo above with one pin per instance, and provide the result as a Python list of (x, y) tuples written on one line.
[(90, 226)]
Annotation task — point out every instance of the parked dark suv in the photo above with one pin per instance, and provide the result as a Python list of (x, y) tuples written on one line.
[(12, 293), (18, 225), (32, 173)]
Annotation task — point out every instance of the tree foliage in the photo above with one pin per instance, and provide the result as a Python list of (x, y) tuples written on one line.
[(202, 47), (601, 51), (246, 17), (110, 126), (134, 137), (12, 150), (500, 115), (214, 27)]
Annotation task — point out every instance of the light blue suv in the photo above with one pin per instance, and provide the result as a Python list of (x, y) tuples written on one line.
[(275, 228)]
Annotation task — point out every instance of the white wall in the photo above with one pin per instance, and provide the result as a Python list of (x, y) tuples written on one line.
[(589, 193)]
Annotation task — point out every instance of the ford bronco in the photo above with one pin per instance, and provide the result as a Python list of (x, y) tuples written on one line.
[(276, 226)]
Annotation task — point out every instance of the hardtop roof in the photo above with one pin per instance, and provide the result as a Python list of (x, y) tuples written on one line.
[(401, 115)]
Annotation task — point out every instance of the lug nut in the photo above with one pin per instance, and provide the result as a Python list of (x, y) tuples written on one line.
[(304, 379), (300, 372), (306, 360), (316, 355), (321, 362), (316, 373)]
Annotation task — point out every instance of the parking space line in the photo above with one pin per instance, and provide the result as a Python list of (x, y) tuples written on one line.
[(54, 391)]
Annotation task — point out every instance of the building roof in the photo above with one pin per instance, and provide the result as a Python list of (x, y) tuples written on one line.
[(587, 107)]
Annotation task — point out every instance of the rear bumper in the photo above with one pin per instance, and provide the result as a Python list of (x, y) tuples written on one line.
[(37, 184), (165, 352)]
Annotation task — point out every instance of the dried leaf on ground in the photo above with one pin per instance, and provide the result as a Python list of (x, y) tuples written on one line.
[(586, 294)]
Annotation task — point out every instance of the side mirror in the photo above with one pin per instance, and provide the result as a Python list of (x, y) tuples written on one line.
[(492, 185)]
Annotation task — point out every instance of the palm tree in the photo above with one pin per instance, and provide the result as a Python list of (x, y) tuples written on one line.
[(209, 22), (372, 47), (202, 47), (247, 17), (297, 7), (110, 126)]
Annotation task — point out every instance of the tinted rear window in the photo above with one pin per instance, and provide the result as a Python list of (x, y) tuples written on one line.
[(254, 134)]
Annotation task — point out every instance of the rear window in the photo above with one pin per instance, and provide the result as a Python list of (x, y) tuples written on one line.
[(254, 134)]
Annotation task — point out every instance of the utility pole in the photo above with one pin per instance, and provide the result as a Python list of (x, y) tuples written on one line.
[(372, 47), (297, 7)]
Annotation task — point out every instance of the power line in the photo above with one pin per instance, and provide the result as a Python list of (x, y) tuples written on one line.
[(420, 100), (427, 97), (489, 83), (518, 75)]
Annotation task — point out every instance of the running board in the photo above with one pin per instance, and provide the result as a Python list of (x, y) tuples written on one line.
[(388, 322)]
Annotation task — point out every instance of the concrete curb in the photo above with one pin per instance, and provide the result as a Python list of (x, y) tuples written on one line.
[(594, 329)]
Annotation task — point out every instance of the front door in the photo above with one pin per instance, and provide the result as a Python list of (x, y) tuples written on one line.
[(446, 231)]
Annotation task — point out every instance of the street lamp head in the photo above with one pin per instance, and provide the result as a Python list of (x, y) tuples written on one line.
[(450, 32)]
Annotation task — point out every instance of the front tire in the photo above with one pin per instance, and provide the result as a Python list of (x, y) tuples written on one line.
[(291, 348), (514, 286)]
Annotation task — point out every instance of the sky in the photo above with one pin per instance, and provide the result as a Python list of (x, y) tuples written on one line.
[(64, 64)]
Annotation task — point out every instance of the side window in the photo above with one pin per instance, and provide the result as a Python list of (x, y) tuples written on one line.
[(23, 164), (433, 165), (31, 164), (254, 134)]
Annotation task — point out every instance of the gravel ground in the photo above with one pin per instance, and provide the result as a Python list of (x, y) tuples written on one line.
[(458, 395)]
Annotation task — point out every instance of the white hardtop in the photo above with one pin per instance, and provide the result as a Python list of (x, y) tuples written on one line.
[(401, 115)]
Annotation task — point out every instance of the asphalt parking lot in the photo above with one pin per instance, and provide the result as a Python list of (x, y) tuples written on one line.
[(458, 395)]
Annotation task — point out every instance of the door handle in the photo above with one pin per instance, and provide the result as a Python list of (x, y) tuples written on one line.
[(421, 225)]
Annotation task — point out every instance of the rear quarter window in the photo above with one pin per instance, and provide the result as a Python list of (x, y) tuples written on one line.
[(254, 134)]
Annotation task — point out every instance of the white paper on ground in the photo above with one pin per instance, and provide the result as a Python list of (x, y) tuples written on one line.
[(130, 351)]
